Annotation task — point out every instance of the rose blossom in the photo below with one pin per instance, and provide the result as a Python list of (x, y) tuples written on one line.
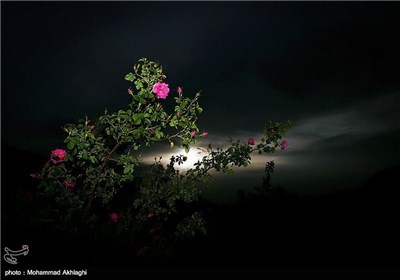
[(161, 90), (57, 155), (251, 141), (69, 184), (114, 217), (193, 133), (150, 215), (205, 133), (179, 90), (284, 145)]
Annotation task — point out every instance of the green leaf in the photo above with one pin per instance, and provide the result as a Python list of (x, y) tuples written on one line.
[(130, 77), (93, 159), (157, 135), (136, 133), (71, 145), (85, 156), (138, 84), (173, 122), (129, 177), (122, 113), (137, 118)]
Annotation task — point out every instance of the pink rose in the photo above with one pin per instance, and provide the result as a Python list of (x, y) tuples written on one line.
[(179, 90), (57, 156), (69, 184), (114, 217), (130, 92), (151, 132), (193, 133), (34, 175), (161, 90), (251, 141), (205, 133), (150, 215), (284, 145)]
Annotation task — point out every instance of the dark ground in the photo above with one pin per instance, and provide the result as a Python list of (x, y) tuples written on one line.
[(282, 235)]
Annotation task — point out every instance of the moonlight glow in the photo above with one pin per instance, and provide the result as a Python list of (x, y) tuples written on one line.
[(194, 155)]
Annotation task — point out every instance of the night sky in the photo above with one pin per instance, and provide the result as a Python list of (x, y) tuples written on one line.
[(332, 68)]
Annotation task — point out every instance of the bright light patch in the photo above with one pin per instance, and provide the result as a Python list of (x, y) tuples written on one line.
[(194, 155), (197, 153)]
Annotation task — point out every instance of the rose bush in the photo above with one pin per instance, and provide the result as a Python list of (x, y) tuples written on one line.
[(98, 179)]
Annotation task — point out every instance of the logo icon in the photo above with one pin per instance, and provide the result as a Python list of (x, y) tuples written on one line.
[(10, 255)]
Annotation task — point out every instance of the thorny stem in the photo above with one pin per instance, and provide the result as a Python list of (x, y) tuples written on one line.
[(94, 185), (175, 135), (65, 192)]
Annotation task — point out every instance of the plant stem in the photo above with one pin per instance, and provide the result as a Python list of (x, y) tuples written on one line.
[(94, 185)]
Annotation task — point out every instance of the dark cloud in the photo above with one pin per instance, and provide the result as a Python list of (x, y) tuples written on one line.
[(355, 56), (339, 150)]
